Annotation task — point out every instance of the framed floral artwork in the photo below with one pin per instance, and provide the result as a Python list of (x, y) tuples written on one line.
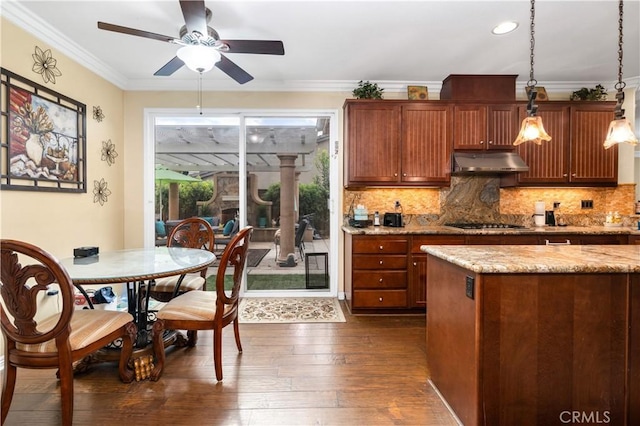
[(43, 141)]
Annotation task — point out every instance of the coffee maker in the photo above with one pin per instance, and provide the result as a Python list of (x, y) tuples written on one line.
[(549, 218)]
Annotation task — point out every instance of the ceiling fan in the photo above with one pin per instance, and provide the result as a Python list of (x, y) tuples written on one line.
[(201, 46)]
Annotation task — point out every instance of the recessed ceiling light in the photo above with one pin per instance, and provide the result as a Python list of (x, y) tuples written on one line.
[(505, 28)]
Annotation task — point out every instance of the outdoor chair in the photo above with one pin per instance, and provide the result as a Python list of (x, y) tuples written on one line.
[(298, 242), (195, 233), (226, 238), (37, 339), (206, 310)]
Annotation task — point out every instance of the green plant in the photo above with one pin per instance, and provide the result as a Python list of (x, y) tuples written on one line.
[(599, 93), (367, 90), (262, 210)]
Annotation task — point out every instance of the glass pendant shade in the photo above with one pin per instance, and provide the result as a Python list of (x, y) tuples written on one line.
[(198, 58), (620, 131), (532, 130)]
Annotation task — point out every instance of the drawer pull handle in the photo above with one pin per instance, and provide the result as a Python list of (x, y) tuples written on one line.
[(381, 248), (381, 262), (380, 280), (380, 299), (415, 263)]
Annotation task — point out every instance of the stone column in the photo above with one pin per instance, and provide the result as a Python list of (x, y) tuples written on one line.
[(287, 196), (174, 201)]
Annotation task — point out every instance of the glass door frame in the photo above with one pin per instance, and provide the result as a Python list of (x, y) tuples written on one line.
[(150, 116)]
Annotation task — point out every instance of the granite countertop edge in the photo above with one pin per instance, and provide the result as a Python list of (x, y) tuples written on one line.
[(447, 230), (529, 259)]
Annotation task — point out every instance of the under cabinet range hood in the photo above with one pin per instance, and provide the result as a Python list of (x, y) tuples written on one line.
[(488, 163)]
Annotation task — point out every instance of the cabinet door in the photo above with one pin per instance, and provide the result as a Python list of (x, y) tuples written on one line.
[(590, 162), (548, 163), (373, 138), (503, 126), (426, 143), (470, 127)]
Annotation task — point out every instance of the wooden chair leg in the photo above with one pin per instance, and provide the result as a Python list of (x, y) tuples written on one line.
[(126, 373), (158, 349), (66, 390), (236, 332), (217, 352), (8, 386), (192, 338)]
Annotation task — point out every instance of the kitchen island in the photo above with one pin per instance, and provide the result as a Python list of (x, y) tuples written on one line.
[(535, 335)]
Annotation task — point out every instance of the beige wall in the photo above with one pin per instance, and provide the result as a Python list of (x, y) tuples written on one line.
[(58, 222)]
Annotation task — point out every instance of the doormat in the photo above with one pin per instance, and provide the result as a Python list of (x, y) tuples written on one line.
[(290, 310)]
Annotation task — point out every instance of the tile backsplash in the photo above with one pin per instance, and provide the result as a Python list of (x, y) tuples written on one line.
[(480, 199)]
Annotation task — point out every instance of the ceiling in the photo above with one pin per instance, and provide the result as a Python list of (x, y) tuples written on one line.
[(331, 45)]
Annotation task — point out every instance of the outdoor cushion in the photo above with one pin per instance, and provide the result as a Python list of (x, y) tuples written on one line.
[(228, 227), (160, 229)]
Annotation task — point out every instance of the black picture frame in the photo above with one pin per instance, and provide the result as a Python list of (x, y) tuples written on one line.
[(43, 138)]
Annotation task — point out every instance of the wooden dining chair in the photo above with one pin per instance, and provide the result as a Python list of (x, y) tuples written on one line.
[(206, 310), (194, 232), (39, 339)]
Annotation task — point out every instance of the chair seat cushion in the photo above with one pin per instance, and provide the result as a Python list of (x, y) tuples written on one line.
[(194, 305), (168, 284), (87, 326)]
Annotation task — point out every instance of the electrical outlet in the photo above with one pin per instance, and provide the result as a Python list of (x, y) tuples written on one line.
[(586, 204), (469, 287)]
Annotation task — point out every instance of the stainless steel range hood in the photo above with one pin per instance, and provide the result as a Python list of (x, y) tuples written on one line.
[(488, 163)]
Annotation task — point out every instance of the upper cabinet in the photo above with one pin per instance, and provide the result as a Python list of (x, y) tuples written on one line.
[(485, 126), (397, 143), (575, 154)]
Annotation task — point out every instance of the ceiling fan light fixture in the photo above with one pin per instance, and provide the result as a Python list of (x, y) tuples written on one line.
[(198, 58)]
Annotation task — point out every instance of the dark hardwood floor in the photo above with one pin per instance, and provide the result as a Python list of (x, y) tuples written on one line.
[(370, 370)]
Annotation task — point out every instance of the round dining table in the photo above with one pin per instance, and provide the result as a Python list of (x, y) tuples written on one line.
[(137, 268)]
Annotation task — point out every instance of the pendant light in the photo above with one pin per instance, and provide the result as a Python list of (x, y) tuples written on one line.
[(620, 130), (532, 129)]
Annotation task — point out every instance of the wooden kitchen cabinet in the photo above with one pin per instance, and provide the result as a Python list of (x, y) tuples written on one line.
[(581, 239), (376, 277), (397, 143), (485, 126), (574, 155), (372, 130), (418, 265)]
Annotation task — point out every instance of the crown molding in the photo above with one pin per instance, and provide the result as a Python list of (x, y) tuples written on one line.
[(39, 28)]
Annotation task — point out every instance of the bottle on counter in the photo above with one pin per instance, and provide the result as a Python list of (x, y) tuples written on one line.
[(638, 207), (376, 219)]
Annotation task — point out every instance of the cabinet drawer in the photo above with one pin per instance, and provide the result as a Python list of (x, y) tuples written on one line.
[(380, 299), (381, 279), (386, 245), (368, 261)]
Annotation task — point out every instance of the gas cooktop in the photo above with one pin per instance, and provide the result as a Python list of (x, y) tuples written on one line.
[(463, 225)]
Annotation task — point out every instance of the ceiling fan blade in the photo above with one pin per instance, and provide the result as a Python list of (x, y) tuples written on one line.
[(132, 31), (265, 47), (170, 67), (233, 70), (195, 15)]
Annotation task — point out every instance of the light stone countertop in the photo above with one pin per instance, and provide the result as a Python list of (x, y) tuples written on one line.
[(415, 229), (541, 258)]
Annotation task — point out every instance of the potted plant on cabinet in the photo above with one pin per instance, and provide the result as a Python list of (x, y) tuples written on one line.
[(262, 216), (367, 90)]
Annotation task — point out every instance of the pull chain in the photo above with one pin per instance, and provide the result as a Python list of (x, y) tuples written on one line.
[(620, 84), (199, 106), (532, 81)]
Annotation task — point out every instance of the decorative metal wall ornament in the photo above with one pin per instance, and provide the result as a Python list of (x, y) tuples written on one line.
[(43, 138), (100, 192), (109, 153), (45, 65), (98, 115)]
